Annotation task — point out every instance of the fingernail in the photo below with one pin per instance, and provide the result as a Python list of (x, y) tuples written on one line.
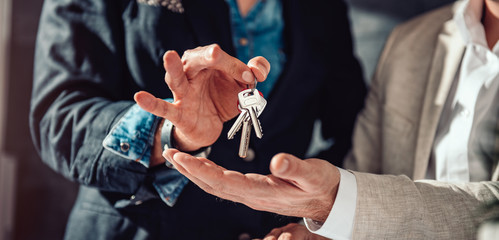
[(279, 166), (263, 70), (167, 157), (248, 77), (284, 166)]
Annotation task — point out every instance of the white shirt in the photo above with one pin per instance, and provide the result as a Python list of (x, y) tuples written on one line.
[(479, 73), (479, 70)]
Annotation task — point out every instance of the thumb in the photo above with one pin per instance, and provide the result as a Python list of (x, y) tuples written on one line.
[(291, 168), (260, 68)]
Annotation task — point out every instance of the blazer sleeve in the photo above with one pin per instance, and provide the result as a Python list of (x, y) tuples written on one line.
[(395, 207), (81, 89)]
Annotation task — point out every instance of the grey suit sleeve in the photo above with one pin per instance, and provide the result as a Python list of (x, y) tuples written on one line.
[(395, 207), (81, 89)]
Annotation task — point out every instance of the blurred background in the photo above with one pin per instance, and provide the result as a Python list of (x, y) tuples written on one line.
[(34, 200)]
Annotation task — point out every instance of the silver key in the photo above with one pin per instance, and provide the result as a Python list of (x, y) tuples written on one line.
[(245, 114), (245, 138), (254, 103), (237, 124)]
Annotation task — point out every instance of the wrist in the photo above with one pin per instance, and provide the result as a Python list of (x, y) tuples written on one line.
[(157, 148), (180, 142), (172, 138), (329, 198)]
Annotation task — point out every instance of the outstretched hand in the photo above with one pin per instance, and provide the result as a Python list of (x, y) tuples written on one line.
[(299, 188), (205, 84)]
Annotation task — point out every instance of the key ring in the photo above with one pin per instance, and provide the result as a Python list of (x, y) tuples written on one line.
[(252, 88)]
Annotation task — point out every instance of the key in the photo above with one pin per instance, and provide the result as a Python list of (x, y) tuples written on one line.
[(252, 101), (255, 122), (245, 114), (245, 138), (251, 104), (237, 124)]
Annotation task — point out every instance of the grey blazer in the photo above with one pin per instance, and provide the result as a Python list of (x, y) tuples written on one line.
[(394, 136)]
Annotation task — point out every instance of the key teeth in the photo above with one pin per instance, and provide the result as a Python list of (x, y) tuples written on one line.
[(237, 125), (261, 131), (253, 110)]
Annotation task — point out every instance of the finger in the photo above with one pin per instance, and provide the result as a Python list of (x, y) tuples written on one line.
[(294, 231), (285, 236), (175, 76), (260, 68), (209, 172), (215, 179), (295, 170), (213, 57), (156, 106), (173, 156), (274, 234), (270, 238), (169, 155)]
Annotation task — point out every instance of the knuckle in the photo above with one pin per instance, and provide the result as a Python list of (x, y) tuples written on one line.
[(213, 53), (187, 54), (214, 47), (187, 66)]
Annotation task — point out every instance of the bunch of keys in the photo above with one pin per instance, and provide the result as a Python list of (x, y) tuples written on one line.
[(251, 104)]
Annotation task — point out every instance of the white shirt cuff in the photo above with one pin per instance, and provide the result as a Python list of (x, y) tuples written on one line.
[(339, 223)]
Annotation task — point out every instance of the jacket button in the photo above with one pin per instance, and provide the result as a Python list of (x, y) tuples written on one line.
[(250, 155), (243, 41), (124, 146), (244, 236)]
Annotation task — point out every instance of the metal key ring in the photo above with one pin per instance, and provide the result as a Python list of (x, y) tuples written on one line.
[(254, 86)]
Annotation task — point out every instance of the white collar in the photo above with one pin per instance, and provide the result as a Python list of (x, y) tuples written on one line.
[(468, 19)]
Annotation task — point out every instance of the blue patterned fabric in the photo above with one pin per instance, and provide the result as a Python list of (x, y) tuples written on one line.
[(259, 33)]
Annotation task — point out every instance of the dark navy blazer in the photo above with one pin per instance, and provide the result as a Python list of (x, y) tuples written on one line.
[(92, 56)]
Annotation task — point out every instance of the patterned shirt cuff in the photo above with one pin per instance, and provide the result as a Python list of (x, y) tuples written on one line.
[(133, 136)]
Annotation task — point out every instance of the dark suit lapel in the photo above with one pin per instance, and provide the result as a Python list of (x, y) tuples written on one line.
[(210, 21)]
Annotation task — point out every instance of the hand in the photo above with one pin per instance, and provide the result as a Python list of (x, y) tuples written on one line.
[(300, 188), (292, 231), (205, 84)]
